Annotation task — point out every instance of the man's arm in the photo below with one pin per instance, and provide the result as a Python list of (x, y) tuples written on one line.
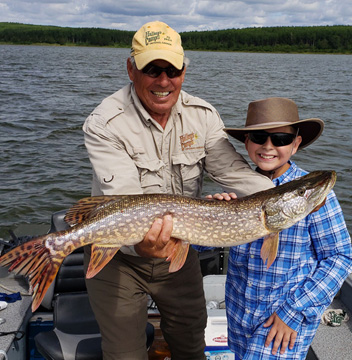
[(116, 173)]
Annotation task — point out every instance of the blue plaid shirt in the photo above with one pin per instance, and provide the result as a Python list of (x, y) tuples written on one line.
[(314, 258)]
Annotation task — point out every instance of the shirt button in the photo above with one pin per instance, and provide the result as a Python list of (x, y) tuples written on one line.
[(248, 336), (250, 283), (247, 311), (252, 256)]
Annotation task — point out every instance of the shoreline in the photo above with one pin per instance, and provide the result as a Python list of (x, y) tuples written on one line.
[(200, 50)]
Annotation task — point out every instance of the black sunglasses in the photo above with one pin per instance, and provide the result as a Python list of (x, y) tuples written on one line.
[(154, 71), (277, 139)]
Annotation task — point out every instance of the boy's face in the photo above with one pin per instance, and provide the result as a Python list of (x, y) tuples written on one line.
[(273, 160)]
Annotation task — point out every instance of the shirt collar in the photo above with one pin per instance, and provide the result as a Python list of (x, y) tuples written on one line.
[(144, 115), (286, 176)]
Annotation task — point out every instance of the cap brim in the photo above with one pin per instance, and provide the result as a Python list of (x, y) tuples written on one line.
[(309, 129), (145, 58)]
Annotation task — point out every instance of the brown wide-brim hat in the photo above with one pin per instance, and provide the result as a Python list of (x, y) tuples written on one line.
[(276, 112)]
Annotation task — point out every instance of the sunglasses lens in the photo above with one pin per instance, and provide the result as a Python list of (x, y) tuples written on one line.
[(154, 71), (282, 139), (278, 139), (151, 70), (172, 72), (258, 137)]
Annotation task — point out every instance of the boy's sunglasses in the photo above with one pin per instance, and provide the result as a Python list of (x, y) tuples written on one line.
[(277, 139), (154, 71)]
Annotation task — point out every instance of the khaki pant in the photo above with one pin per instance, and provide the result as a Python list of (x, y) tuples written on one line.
[(118, 295)]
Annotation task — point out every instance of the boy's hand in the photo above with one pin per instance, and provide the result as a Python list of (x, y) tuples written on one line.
[(282, 333), (222, 196), (157, 242)]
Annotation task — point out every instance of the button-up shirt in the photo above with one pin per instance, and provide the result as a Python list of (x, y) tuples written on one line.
[(132, 154), (313, 260)]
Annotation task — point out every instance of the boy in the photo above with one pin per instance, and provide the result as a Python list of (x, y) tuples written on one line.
[(274, 313)]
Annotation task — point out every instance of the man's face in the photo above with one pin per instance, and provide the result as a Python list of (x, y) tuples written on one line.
[(157, 94)]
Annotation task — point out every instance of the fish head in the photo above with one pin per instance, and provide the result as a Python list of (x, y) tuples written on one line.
[(296, 199)]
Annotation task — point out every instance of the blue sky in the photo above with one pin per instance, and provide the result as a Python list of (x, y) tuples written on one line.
[(182, 15)]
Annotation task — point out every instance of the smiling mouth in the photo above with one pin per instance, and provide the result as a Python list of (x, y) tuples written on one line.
[(161, 93), (267, 157)]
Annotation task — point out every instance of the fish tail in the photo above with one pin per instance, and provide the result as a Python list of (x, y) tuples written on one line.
[(34, 260)]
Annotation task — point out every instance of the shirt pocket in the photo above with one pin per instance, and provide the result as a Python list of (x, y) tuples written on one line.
[(150, 173), (190, 175)]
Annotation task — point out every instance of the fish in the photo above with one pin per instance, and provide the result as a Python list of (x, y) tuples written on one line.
[(109, 222)]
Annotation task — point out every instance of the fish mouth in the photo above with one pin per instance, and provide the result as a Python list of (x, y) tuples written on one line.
[(326, 181), (331, 183)]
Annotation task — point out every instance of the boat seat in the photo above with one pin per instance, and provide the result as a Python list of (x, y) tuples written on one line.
[(212, 261), (75, 335)]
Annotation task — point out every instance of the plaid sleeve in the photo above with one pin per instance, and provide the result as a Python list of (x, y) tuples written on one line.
[(332, 247)]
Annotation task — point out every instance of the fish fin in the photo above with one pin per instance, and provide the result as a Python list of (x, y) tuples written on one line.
[(88, 208), (269, 248), (34, 260), (100, 256), (178, 256)]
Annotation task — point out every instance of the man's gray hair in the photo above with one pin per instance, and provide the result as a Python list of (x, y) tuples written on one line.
[(133, 62)]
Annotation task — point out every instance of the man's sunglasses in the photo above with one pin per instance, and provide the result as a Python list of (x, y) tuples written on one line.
[(154, 71), (277, 139)]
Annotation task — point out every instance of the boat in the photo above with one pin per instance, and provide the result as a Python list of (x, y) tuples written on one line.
[(65, 312)]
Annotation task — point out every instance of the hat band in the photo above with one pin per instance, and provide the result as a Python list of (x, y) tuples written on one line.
[(272, 124)]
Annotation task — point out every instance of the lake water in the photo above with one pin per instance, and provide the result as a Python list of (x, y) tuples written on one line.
[(47, 92)]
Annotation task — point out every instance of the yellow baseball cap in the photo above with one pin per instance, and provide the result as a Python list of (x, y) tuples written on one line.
[(156, 40)]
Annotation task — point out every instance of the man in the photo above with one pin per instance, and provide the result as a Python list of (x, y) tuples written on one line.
[(152, 137)]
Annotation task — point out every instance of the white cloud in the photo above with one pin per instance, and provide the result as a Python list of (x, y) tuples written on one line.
[(183, 15)]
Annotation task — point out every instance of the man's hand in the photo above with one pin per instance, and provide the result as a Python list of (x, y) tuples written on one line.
[(282, 333), (157, 242), (222, 196)]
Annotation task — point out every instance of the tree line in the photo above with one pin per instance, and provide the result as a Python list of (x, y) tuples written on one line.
[(13, 33), (312, 39)]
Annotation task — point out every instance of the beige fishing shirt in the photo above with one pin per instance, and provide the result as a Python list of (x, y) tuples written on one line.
[(132, 154)]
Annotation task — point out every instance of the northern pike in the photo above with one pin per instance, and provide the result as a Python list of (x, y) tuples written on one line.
[(110, 222)]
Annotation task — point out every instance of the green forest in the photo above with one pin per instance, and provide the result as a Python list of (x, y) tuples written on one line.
[(306, 39)]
